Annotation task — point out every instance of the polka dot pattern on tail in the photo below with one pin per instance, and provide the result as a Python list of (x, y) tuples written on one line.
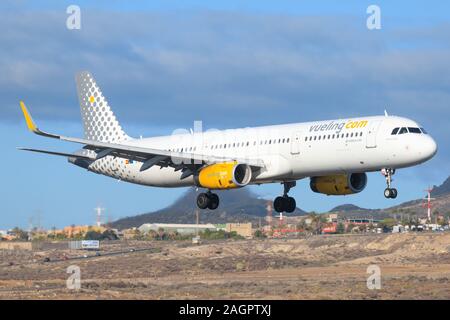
[(100, 123)]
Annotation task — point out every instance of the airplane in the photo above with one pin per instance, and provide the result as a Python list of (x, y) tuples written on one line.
[(335, 154)]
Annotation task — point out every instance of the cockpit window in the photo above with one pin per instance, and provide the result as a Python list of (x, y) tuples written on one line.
[(414, 130), (408, 129)]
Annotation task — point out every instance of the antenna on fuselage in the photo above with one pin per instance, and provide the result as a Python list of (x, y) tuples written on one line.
[(385, 113)]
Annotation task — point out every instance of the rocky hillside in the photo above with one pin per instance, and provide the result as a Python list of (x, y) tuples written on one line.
[(442, 190)]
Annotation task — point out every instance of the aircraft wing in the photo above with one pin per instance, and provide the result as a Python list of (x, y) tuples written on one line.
[(187, 162)]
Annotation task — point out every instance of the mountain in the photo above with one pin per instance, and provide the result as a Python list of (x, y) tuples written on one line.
[(235, 205), (346, 208), (442, 190)]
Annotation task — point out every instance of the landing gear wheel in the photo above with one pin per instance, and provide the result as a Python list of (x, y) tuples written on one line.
[(278, 204), (213, 201), (202, 201), (290, 204), (285, 203), (393, 193), (387, 193), (208, 200), (390, 193)]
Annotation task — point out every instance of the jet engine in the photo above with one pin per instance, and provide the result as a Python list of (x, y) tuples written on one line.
[(341, 184), (227, 175)]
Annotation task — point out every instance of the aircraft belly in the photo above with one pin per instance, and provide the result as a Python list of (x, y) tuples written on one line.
[(130, 172), (163, 177)]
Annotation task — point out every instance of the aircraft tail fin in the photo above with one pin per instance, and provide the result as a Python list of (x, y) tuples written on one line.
[(100, 123)]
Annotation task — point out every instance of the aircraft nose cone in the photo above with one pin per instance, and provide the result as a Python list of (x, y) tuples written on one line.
[(429, 148), (433, 147)]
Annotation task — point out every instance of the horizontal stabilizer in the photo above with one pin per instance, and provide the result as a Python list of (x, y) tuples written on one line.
[(55, 153)]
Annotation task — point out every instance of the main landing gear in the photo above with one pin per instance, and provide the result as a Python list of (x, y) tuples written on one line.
[(285, 203), (208, 200), (390, 193)]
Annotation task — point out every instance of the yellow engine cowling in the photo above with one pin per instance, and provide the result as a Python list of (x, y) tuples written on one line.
[(227, 175), (341, 184)]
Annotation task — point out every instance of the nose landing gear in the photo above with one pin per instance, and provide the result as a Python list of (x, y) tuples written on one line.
[(390, 193), (285, 203), (208, 200)]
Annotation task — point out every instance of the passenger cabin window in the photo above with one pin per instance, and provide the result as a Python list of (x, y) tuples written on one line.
[(395, 131), (403, 131)]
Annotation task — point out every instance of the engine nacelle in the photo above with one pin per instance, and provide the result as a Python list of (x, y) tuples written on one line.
[(341, 184), (227, 175)]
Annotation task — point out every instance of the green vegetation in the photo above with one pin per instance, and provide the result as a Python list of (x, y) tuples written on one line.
[(260, 234), (317, 222), (106, 235), (340, 228), (221, 234), (350, 227), (20, 234), (387, 224), (161, 234)]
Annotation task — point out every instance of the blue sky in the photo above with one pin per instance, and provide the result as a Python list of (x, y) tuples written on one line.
[(164, 64)]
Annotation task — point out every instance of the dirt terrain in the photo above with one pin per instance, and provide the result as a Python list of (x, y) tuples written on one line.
[(413, 266)]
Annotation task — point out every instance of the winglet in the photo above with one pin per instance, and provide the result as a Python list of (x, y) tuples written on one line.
[(32, 126), (29, 120)]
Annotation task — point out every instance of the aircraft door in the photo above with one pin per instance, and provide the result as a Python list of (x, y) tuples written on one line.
[(296, 138), (371, 139)]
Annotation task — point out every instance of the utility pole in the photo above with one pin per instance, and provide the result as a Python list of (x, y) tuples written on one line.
[(38, 221), (30, 224), (428, 204)]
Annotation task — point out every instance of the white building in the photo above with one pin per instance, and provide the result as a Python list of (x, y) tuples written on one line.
[(180, 228), (398, 229)]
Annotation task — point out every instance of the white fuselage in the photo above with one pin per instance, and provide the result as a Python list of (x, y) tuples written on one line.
[(290, 152)]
